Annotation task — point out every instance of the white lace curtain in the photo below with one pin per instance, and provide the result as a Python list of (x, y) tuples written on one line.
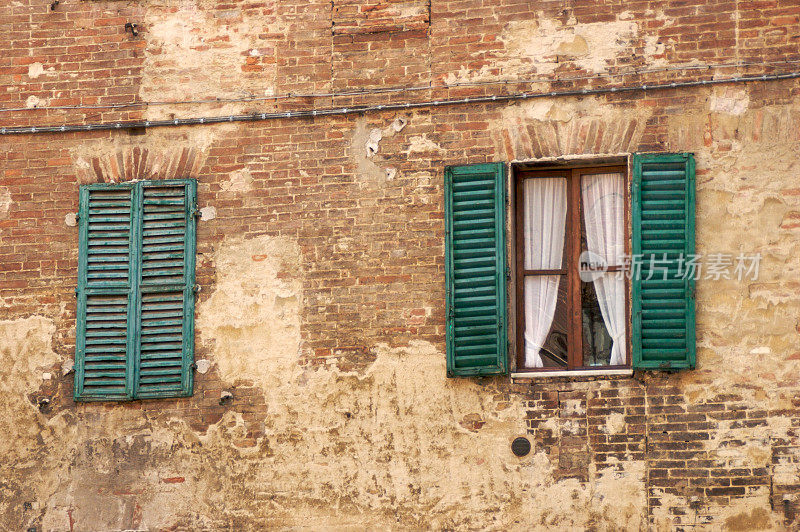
[(603, 214), (545, 215)]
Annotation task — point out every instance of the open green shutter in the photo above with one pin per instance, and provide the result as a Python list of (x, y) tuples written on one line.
[(165, 336), (475, 270), (106, 272), (663, 223)]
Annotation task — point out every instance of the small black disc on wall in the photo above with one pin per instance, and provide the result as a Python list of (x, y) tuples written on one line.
[(520, 446)]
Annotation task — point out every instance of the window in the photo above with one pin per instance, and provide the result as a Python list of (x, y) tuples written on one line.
[(570, 249), (568, 319), (135, 330)]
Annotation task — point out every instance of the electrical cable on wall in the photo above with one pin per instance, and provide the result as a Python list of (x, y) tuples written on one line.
[(385, 90), (311, 113)]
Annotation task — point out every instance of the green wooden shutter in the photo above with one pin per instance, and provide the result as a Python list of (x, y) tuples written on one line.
[(663, 223), (106, 272), (165, 336), (475, 270), (135, 331)]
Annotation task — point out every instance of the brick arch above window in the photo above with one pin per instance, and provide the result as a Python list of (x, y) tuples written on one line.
[(141, 162), (540, 130)]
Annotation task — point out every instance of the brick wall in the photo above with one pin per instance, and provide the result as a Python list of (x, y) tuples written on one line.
[(321, 265)]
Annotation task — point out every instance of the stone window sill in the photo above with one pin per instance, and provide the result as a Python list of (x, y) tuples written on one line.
[(626, 372)]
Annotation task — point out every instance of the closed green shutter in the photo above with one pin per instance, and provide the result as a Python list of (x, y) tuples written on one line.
[(663, 236), (106, 307), (165, 291), (135, 326), (475, 270)]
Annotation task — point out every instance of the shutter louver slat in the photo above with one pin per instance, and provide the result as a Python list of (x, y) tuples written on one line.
[(164, 226), (475, 270), (106, 340), (663, 231), (108, 236), (161, 342)]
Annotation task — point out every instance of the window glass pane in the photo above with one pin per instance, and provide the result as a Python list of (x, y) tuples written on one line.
[(544, 222), (603, 315), (546, 319), (602, 226), (603, 320), (596, 340)]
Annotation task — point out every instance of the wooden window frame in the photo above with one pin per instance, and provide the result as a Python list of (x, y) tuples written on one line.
[(570, 269)]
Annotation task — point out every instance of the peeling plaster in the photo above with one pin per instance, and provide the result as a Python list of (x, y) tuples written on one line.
[(35, 70), (363, 149), (208, 213), (729, 101), (398, 439), (67, 367), (655, 49), (190, 39), (421, 143), (542, 43), (399, 123), (203, 366), (5, 202), (159, 140), (239, 181), (26, 350), (254, 313), (373, 141), (747, 184), (615, 424)]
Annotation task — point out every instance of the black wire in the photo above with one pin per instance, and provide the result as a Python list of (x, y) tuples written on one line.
[(402, 89), (311, 113)]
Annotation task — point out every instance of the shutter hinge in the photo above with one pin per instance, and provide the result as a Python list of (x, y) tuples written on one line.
[(508, 273), (77, 291), (196, 211), (196, 289), (193, 365), (694, 292)]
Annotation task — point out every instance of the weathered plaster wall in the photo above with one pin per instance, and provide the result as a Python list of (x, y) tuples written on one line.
[(320, 397), (199, 48)]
